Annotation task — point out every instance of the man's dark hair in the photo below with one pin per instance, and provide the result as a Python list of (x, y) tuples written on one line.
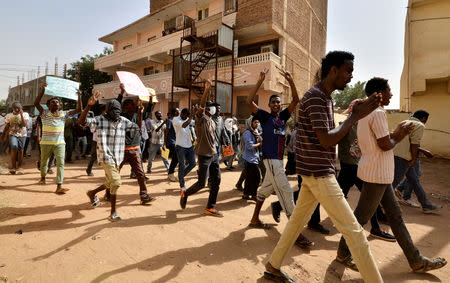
[(186, 111), (173, 111), (53, 98), (127, 102), (273, 96), (419, 114), (334, 58), (375, 84)]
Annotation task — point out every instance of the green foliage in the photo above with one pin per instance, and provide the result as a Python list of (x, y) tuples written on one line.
[(343, 98), (87, 76)]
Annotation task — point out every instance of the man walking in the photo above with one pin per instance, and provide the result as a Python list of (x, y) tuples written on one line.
[(158, 126), (170, 141), (183, 145), (52, 142), (208, 158)]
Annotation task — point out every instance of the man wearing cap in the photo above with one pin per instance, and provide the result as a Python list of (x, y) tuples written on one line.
[(15, 127), (208, 158), (52, 141)]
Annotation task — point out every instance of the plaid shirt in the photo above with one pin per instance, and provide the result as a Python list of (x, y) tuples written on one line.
[(111, 138)]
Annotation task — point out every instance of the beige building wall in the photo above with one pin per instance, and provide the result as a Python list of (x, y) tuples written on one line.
[(425, 79)]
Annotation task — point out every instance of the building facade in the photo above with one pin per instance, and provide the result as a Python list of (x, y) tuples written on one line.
[(425, 80), (26, 93), (272, 34)]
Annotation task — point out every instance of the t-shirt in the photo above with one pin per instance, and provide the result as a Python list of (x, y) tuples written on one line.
[(183, 137), (274, 133), (171, 135), (157, 136), (204, 130), (349, 151), (53, 127), (315, 113), (403, 148), (132, 136), (376, 165), (14, 120)]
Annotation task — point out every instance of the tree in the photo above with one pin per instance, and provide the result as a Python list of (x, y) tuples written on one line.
[(343, 98), (83, 71)]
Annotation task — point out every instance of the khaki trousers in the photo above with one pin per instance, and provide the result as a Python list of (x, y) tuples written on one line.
[(327, 191)]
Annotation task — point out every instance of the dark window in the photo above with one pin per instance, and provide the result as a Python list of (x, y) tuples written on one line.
[(230, 6), (167, 67), (127, 46), (149, 71)]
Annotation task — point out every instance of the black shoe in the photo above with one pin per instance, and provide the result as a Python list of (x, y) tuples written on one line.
[(382, 235), (276, 210), (239, 187), (133, 176), (89, 173), (319, 228), (146, 199), (183, 199)]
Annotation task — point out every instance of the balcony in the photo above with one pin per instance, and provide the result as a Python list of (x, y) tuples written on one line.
[(246, 74), (156, 50)]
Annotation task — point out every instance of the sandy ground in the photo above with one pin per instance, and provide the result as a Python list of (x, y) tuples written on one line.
[(65, 240)]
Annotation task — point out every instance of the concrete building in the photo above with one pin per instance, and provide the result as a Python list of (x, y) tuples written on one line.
[(25, 93), (268, 34), (425, 80)]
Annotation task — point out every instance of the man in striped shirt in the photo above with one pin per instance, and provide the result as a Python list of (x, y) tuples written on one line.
[(52, 141), (315, 162)]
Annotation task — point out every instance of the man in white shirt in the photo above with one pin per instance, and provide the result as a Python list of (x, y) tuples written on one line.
[(158, 126), (183, 145), (376, 170)]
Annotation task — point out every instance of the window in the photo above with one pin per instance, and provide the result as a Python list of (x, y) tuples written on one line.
[(127, 46), (229, 6), (202, 14), (151, 38), (150, 71), (167, 67)]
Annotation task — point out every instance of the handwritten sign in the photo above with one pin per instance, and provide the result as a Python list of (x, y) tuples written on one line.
[(133, 84), (62, 88)]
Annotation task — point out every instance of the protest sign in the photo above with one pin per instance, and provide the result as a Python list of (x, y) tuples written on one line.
[(62, 88), (132, 83)]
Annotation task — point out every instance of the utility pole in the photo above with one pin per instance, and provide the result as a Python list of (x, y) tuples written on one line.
[(65, 71), (46, 68), (56, 66)]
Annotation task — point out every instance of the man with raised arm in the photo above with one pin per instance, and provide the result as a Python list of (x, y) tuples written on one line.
[(52, 141), (315, 162), (111, 129), (208, 158)]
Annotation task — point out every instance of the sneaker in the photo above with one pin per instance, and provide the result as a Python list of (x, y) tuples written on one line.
[(146, 199), (213, 212), (50, 171), (276, 210), (133, 176), (172, 178), (183, 199), (89, 173), (19, 171), (382, 235), (399, 196), (319, 228), (183, 189), (412, 203), (114, 217), (432, 209)]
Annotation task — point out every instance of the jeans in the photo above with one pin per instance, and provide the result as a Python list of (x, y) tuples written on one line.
[(93, 156), (402, 169), (186, 162), (59, 150), (174, 155), (206, 163), (83, 141), (346, 179), (155, 149), (69, 147), (253, 177), (133, 157), (371, 196), (326, 190), (405, 187), (16, 143)]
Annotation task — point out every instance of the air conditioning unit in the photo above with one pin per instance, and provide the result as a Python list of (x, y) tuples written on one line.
[(267, 48), (180, 22)]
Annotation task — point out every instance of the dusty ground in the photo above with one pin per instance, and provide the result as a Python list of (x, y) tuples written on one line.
[(65, 240)]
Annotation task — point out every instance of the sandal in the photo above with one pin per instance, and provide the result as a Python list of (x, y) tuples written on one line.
[(430, 264), (94, 200), (283, 278), (259, 225), (114, 217), (347, 262), (61, 191)]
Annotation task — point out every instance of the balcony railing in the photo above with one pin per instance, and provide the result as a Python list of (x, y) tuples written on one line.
[(251, 59)]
